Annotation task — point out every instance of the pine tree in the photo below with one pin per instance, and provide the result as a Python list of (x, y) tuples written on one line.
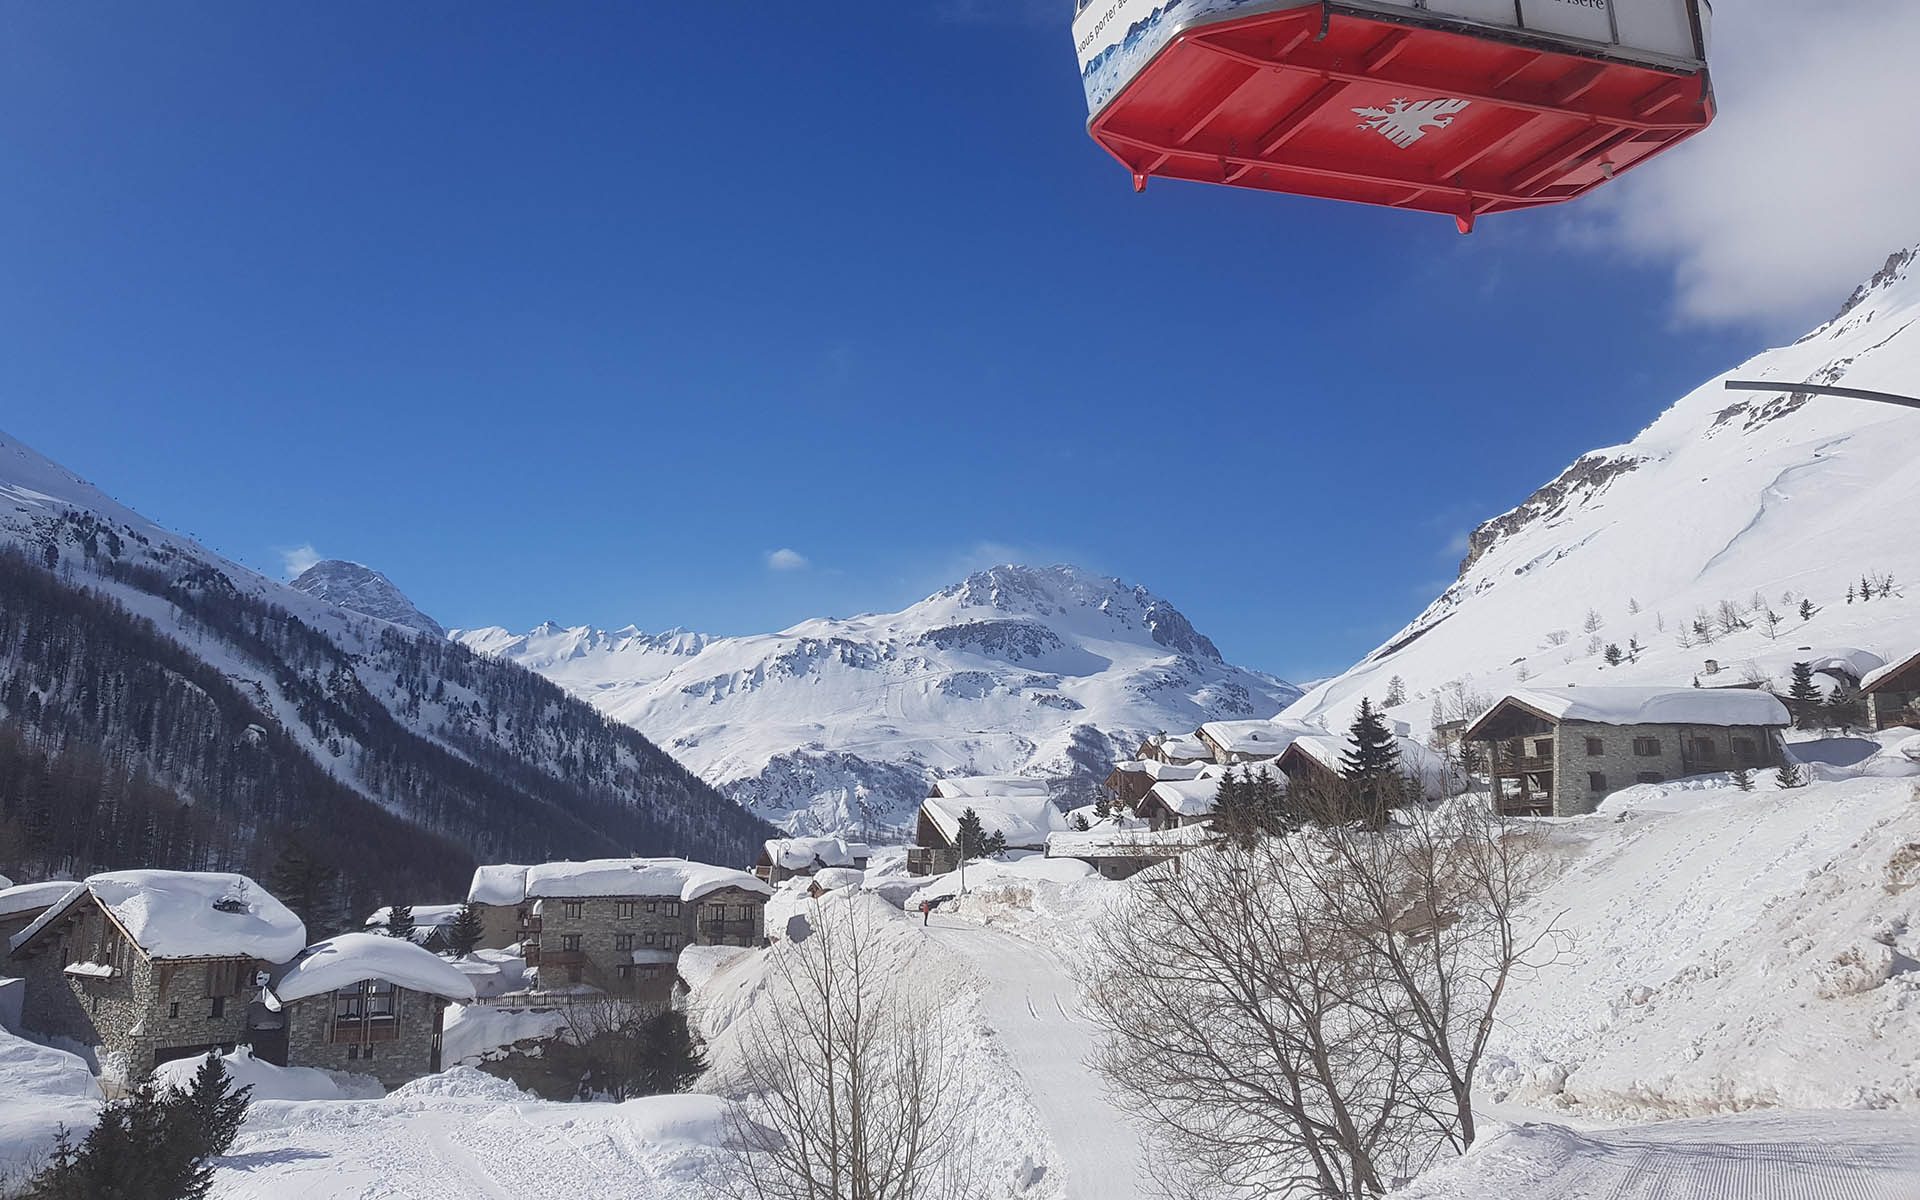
[(309, 887), (1743, 778), (975, 842), (1807, 610), (1633, 648), (464, 935), (1789, 776), (1236, 815), (1270, 801), (1614, 656), (1844, 708), (208, 1113), (144, 1147), (1803, 696), (400, 922), (670, 1057), (1372, 764), (1396, 692), (1080, 823)]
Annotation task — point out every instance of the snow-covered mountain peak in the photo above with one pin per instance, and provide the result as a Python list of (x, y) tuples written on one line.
[(360, 588), (837, 723)]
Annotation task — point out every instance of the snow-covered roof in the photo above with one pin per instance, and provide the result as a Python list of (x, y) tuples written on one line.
[(1155, 769), (835, 878), (500, 883), (1263, 738), (1024, 820), (188, 914), (976, 786), (1126, 843), (1873, 679), (34, 897), (675, 877), (798, 854), (1650, 706), (424, 915), (1186, 745), (1187, 798), (1416, 758), (356, 957)]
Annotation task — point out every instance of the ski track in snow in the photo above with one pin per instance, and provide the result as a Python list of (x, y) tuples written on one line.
[(1031, 999)]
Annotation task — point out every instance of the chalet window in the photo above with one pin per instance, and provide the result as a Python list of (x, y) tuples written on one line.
[(1596, 782), (1744, 750), (1646, 747), (648, 937), (569, 941), (173, 1011), (670, 907), (745, 912), (1650, 777), (670, 941), (625, 910), (572, 909), (1543, 747), (1595, 747), (1704, 750), (353, 1052), (218, 1008), (380, 1000), (653, 906), (624, 970), (623, 941), (348, 1004), (373, 1000)]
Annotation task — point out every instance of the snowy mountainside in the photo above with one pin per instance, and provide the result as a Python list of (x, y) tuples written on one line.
[(159, 686), (838, 724), (1727, 498), (366, 591)]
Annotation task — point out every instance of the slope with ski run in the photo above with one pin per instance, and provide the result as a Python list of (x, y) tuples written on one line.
[(835, 724), (1724, 495)]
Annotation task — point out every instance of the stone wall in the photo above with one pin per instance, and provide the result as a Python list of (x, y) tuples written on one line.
[(593, 946), (394, 1052), (1682, 753), (144, 1011), (499, 925)]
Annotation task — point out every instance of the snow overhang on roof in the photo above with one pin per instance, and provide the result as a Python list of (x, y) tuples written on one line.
[(187, 914), (1646, 706), (676, 878), (1187, 798), (354, 958), (499, 883), (798, 854), (1872, 680), (34, 897)]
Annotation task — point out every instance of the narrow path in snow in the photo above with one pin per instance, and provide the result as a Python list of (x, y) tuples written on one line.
[(1031, 999)]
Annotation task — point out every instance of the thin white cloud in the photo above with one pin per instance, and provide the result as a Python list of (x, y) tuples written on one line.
[(785, 559), (1807, 180), (296, 560)]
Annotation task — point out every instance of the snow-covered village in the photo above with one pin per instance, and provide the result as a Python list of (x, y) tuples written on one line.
[(1379, 537)]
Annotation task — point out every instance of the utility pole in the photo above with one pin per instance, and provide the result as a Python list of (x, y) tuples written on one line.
[(1812, 389)]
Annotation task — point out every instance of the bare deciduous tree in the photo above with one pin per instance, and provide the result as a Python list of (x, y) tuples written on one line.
[(1305, 1016), (849, 1077)]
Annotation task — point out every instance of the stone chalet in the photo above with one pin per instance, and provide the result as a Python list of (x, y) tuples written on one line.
[(1251, 741), (1560, 751), (1175, 803), (1130, 782), (1317, 763), (1024, 820), (1893, 695), (783, 858), (617, 924), (1177, 751), (20, 906), (150, 966)]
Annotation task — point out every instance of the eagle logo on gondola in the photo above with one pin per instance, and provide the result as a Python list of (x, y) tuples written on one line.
[(1407, 122)]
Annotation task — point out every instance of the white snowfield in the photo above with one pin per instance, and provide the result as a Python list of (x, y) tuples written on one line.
[(1725, 495), (188, 914), (354, 958), (836, 724), (41, 1090)]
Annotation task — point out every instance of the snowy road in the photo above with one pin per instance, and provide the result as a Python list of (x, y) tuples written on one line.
[(1033, 1002), (1776, 1156)]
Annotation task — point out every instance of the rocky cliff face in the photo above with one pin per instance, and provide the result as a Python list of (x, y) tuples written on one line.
[(366, 591)]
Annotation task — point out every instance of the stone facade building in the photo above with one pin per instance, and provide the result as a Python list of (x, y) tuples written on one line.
[(364, 1003), (1893, 695), (149, 966), (1561, 751), (618, 925), (1024, 819), (20, 906)]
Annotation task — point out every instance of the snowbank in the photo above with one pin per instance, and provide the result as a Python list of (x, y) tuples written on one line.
[(493, 972), (190, 914), (699, 964), (273, 1083), (354, 957), (41, 1090), (1716, 950), (475, 1032)]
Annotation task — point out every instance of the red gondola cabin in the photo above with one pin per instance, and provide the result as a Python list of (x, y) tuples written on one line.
[(1460, 107)]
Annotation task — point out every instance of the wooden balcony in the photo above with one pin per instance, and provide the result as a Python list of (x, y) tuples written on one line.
[(530, 925), (357, 1032)]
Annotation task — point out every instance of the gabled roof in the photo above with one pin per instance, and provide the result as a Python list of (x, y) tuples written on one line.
[(976, 786), (798, 854), (1644, 706), (675, 877), (1873, 681), (354, 958), (1155, 769), (1186, 798), (1330, 752), (1025, 821), (33, 898), (1267, 739), (1187, 746), (186, 914)]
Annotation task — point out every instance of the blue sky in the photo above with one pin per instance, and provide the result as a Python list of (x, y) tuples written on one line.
[(585, 311)]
